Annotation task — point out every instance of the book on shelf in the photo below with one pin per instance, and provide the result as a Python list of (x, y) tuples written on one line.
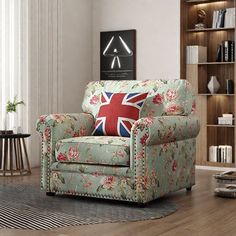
[(223, 18), (226, 51), (229, 18), (196, 54), (221, 154)]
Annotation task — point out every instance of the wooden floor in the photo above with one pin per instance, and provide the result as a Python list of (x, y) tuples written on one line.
[(200, 213)]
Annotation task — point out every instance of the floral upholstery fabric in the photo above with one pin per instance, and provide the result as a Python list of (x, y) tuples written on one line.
[(55, 127), (162, 146), (104, 150), (172, 97), (165, 170)]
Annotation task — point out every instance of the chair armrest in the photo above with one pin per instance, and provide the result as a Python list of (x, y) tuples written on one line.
[(166, 129), (149, 134), (65, 125), (55, 127)]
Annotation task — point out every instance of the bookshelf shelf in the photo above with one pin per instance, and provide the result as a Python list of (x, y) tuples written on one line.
[(219, 164), (216, 94), (203, 1), (209, 29), (221, 126), (210, 106), (216, 63)]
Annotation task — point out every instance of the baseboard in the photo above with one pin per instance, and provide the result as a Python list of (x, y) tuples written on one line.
[(215, 168)]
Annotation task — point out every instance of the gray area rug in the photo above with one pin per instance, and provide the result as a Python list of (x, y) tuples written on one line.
[(27, 207)]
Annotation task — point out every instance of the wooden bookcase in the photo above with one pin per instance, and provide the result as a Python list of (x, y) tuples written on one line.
[(209, 107)]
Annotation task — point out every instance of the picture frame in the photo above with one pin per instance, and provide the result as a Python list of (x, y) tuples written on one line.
[(118, 55)]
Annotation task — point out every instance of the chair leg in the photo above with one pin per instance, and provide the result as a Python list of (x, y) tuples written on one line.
[(50, 194), (189, 189), (141, 205)]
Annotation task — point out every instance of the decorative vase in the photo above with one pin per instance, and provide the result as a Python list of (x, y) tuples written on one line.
[(213, 85), (10, 119)]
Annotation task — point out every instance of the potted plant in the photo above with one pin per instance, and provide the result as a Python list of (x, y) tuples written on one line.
[(11, 107)]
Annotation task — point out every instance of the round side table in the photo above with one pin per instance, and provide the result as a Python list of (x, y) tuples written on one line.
[(13, 155)]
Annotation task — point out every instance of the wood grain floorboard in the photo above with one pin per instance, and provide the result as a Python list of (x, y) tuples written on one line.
[(200, 213)]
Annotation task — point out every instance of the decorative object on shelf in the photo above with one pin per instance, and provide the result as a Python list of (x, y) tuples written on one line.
[(11, 109), (229, 86), (213, 85), (196, 54), (226, 119), (201, 16), (226, 184)]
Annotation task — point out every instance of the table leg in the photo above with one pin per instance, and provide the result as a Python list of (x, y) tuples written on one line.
[(20, 155), (0, 153), (11, 156), (16, 154), (26, 156), (5, 155)]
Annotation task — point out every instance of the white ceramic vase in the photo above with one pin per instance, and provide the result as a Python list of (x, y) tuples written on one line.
[(213, 85), (10, 119)]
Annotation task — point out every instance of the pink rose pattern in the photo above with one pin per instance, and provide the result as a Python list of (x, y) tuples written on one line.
[(108, 182), (174, 109), (73, 154), (94, 100), (171, 94), (158, 99)]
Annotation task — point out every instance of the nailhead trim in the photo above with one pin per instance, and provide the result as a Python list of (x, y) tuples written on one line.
[(136, 164), (95, 195), (43, 160)]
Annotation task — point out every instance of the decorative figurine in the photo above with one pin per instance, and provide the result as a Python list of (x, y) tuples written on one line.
[(201, 19)]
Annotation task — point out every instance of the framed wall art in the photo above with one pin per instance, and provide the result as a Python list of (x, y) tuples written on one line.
[(118, 55)]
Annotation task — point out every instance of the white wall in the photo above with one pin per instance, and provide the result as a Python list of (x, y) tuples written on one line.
[(158, 34), (77, 52)]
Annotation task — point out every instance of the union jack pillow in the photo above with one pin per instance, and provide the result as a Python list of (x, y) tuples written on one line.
[(118, 112)]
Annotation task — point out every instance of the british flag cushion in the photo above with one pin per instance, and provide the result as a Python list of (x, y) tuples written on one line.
[(118, 112)]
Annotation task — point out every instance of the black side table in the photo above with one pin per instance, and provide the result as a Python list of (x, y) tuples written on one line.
[(13, 155)]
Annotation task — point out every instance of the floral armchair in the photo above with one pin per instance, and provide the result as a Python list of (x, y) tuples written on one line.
[(158, 158)]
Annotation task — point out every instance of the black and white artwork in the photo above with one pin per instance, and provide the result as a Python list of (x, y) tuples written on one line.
[(118, 55)]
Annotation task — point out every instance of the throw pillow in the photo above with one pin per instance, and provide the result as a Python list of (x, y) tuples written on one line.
[(118, 112)]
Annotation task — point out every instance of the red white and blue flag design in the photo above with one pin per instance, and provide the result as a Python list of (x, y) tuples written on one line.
[(118, 112)]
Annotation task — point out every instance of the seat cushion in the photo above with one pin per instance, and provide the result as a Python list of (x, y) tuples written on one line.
[(103, 150)]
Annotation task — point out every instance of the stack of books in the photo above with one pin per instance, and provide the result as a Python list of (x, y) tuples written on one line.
[(224, 18), (225, 51), (196, 54), (222, 154)]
